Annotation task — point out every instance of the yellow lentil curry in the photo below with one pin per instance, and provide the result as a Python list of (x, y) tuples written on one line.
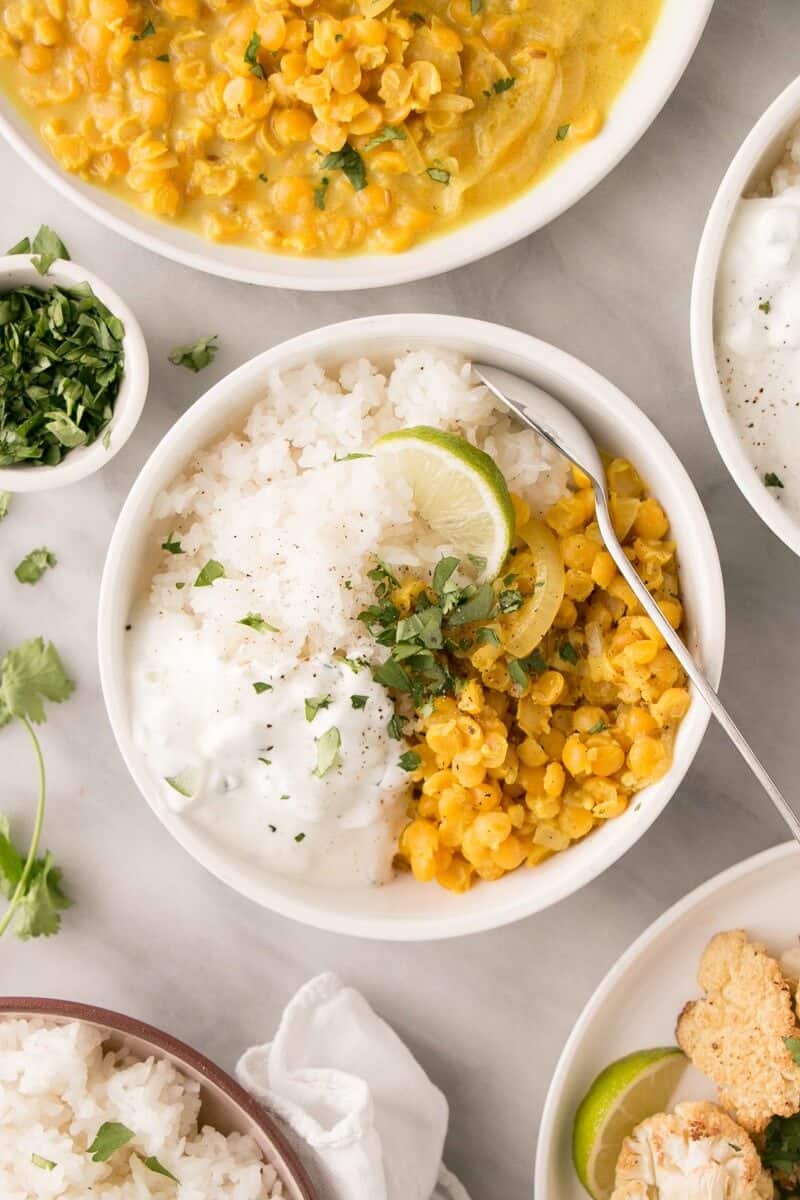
[(534, 752), (318, 127)]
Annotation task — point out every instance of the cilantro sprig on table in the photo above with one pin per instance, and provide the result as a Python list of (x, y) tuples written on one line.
[(29, 675), (61, 364)]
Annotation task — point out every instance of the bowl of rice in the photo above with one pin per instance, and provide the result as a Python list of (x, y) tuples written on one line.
[(96, 1102), (243, 630)]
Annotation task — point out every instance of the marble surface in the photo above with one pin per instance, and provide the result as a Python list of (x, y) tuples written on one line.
[(151, 933)]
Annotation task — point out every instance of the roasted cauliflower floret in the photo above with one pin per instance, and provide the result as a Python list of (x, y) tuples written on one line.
[(696, 1152), (735, 1035)]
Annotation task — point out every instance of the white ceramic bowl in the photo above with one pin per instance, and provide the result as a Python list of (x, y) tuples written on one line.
[(656, 75), (16, 270), (405, 910), (760, 152)]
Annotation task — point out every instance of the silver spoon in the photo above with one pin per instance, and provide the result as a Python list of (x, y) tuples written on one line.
[(556, 424)]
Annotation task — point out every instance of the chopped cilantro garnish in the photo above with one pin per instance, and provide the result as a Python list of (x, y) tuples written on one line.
[(389, 133), (438, 175), (34, 565), (260, 687), (765, 306), (251, 55), (299, 837), (773, 480), (598, 727), (359, 701), (395, 726), (487, 637), (409, 761), (320, 192), (328, 747), (314, 704), (257, 622), (350, 162), (45, 1164), (475, 7), (568, 653), (196, 356), (158, 1168), (510, 600), (110, 1137), (502, 85), (350, 457), (518, 673), (792, 1044), (211, 571), (147, 32), (416, 18), (561, 132), (5, 501), (162, 58), (442, 573), (171, 546)]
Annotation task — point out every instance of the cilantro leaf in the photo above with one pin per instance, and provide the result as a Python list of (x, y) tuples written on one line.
[(476, 608), (196, 356), (562, 132), (158, 1168), (350, 162), (5, 501), (389, 133), (257, 622), (793, 1046), (171, 546), (251, 55), (442, 572), (438, 175), (260, 687), (110, 1137), (30, 673), (510, 600), (38, 913), (23, 246), (148, 31), (46, 1164), (328, 747), (569, 653), (487, 637), (212, 571), (359, 701), (11, 861), (409, 761), (350, 457), (313, 705), (773, 480), (34, 565), (782, 1144), (47, 246), (502, 85), (320, 193), (395, 726)]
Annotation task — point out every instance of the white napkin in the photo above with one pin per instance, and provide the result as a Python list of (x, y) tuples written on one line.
[(358, 1108)]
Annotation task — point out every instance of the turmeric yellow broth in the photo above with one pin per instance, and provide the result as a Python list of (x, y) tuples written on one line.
[(324, 127)]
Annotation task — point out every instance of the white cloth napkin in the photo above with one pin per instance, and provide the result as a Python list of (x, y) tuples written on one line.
[(358, 1108)]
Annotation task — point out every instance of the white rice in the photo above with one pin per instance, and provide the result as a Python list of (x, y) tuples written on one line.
[(58, 1085), (290, 525)]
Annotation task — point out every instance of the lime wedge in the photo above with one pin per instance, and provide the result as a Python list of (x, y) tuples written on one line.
[(457, 489), (625, 1093)]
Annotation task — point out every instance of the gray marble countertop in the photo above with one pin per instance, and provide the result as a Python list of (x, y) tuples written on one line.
[(151, 932)]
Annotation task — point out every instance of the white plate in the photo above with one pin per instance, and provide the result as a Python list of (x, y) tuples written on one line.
[(638, 1002), (652, 83), (404, 909)]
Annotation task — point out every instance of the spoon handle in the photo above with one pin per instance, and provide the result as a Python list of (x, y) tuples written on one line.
[(685, 658)]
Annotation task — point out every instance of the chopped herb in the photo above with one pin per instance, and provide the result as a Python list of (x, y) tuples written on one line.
[(395, 726), (5, 501), (781, 1150), (561, 132), (350, 162), (518, 673), (773, 480), (409, 761), (487, 637), (257, 622), (61, 364), (211, 571), (30, 674), (148, 31), (23, 246), (299, 837), (475, 7), (180, 585), (355, 664), (348, 583), (520, 669), (45, 1164), (171, 546), (110, 1137), (509, 579), (47, 246), (599, 727), (438, 175), (389, 133), (568, 653), (328, 746), (339, 37), (359, 701), (263, 177), (793, 1046), (476, 607), (158, 1168), (478, 561), (765, 306), (175, 784), (314, 704), (251, 55), (443, 572), (510, 600), (259, 687), (502, 85), (320, 192), (266, 761), (162, 58), (34, 565), (392, 675), (196, 356), (416, 18), (350, 457)]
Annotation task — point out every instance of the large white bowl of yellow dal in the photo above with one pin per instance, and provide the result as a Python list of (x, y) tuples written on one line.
[(339, 143), (246, 671)]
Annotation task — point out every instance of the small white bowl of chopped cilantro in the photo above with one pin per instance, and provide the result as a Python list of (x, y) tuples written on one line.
[(73, 368)]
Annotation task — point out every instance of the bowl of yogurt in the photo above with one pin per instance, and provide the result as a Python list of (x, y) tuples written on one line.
[(745, 318), (241, 627)]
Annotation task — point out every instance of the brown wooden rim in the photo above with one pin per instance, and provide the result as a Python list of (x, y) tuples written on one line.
[(43, 1006)]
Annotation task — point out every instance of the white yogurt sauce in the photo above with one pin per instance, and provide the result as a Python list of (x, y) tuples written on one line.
[(757, 335), (247, 759)]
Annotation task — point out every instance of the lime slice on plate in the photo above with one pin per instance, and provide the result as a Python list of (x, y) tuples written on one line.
[(625, 1093), (457, 489)]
